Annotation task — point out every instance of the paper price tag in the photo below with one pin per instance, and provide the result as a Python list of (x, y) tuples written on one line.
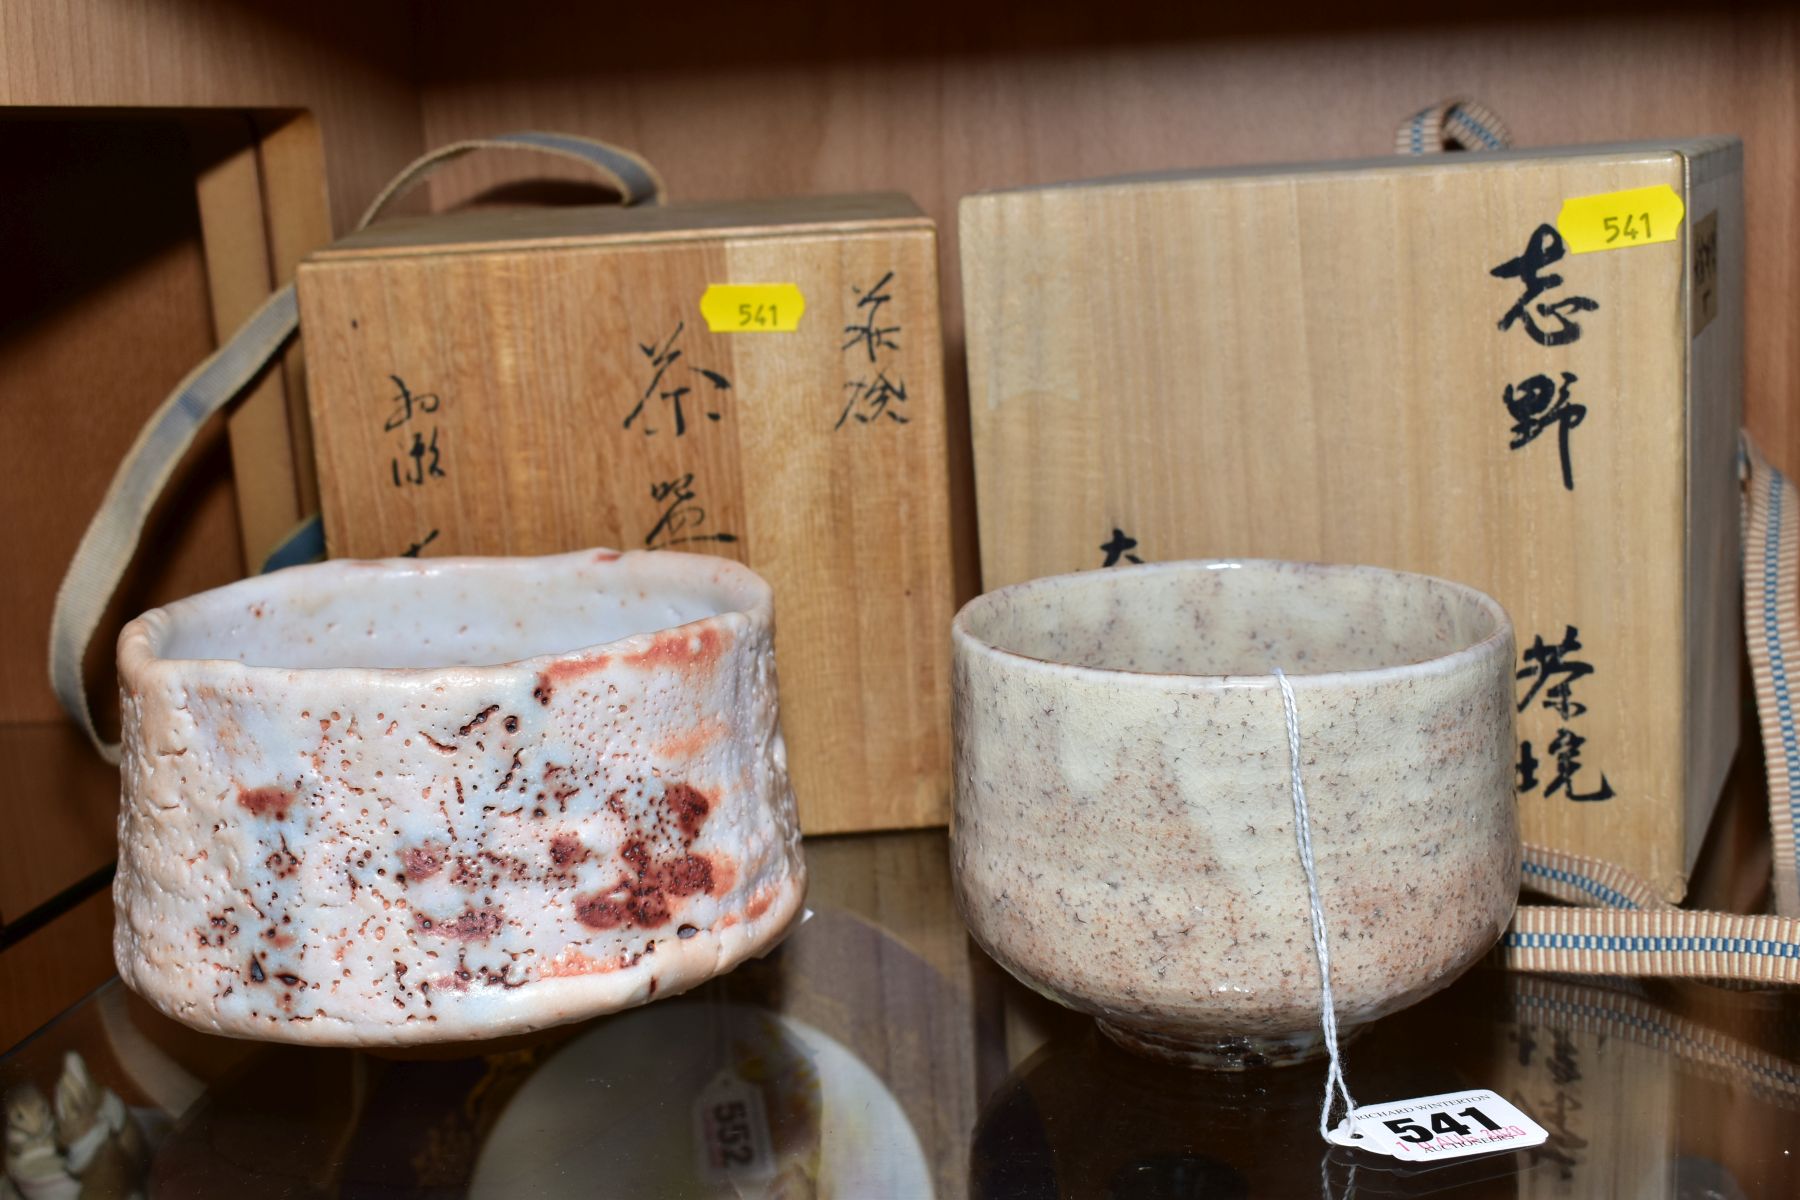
[(1434, 1128), (731, 1132), (1618, 220), (752, 307)]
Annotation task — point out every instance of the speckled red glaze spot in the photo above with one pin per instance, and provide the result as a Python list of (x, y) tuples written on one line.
[(601, 912), (690, 743), (681, 648), (566, 848), (422, 862), (641, 898), (561, 672), (473, 925), (688, 807), (686, 876), (265, 801)]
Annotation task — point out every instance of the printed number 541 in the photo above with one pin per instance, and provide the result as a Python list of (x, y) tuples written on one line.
[(1441, 1123), (1631, 227), (763, 316)]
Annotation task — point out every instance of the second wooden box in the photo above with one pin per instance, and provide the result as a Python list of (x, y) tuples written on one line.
[(759, 380), (1518, 370)]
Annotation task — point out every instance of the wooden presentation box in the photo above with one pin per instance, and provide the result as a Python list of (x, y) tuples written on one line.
[(1521, 370), (758, 380)]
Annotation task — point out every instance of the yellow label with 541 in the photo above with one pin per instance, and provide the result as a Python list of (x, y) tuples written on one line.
[(752, 307), (1615, 220)]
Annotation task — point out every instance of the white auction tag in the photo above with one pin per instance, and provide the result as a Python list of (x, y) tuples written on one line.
[(731, 1131), (1433, 1128)]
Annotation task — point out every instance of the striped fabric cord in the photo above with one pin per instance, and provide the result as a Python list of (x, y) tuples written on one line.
[(1771, 561), (111, 541), (1624, 928), (1578, 880), (1629, 930), (1661, 941), (1455, 124), (1549, 1002)]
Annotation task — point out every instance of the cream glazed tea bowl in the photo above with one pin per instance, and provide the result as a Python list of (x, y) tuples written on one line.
[(404, 801), (1124, 830)]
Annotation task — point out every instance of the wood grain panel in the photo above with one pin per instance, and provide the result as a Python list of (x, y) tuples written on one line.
[(297, 214), (58, 813), (54, 967), (229, 192), (913, 1019), (105, 316), (566, 393), (346, 63)]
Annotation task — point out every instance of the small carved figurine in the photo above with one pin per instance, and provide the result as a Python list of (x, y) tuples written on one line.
[(33, 1165), (105, 1147)]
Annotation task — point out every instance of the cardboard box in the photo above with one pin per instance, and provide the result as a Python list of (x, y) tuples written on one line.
[(528, 382), (1407, 362)]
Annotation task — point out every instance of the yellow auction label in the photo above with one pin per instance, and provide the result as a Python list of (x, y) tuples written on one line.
[(752, 307), (1614, 220)]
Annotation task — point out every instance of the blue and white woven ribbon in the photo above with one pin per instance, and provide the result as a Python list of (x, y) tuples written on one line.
[(1630, 930), (111, 540)]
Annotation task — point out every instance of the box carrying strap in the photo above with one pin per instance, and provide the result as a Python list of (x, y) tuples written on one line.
[(1625, 927), (111, 540), (1455, 124), (1772, 632)]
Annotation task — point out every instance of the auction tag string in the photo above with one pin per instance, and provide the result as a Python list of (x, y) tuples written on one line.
[(1334, 1079), (1449, 1125)]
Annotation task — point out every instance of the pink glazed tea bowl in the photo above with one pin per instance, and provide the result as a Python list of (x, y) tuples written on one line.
[(1123, 837), (378, 803)]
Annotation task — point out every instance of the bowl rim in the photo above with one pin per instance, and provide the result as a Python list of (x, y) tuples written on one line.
[(140, 660), (1501, 639)]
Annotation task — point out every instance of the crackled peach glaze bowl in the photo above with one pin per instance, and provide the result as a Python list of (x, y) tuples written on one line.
[(430, 800), (1123, 839)]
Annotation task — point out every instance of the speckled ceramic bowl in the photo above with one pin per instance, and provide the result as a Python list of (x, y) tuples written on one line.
[(1124, 832), (411, 801)]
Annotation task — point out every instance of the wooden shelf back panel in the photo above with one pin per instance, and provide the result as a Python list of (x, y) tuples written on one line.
[(959, 98)]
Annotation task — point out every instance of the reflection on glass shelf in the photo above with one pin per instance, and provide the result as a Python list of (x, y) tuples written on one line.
[(1619, 1083), (878, 1054)]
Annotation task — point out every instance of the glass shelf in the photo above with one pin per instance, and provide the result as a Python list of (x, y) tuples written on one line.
[(878, 1053)]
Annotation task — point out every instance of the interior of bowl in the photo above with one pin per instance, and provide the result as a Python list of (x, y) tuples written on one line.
[(1234, 618), (450, 612)]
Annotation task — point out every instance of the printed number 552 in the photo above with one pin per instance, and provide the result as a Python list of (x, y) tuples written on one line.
[(733, 1133)]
